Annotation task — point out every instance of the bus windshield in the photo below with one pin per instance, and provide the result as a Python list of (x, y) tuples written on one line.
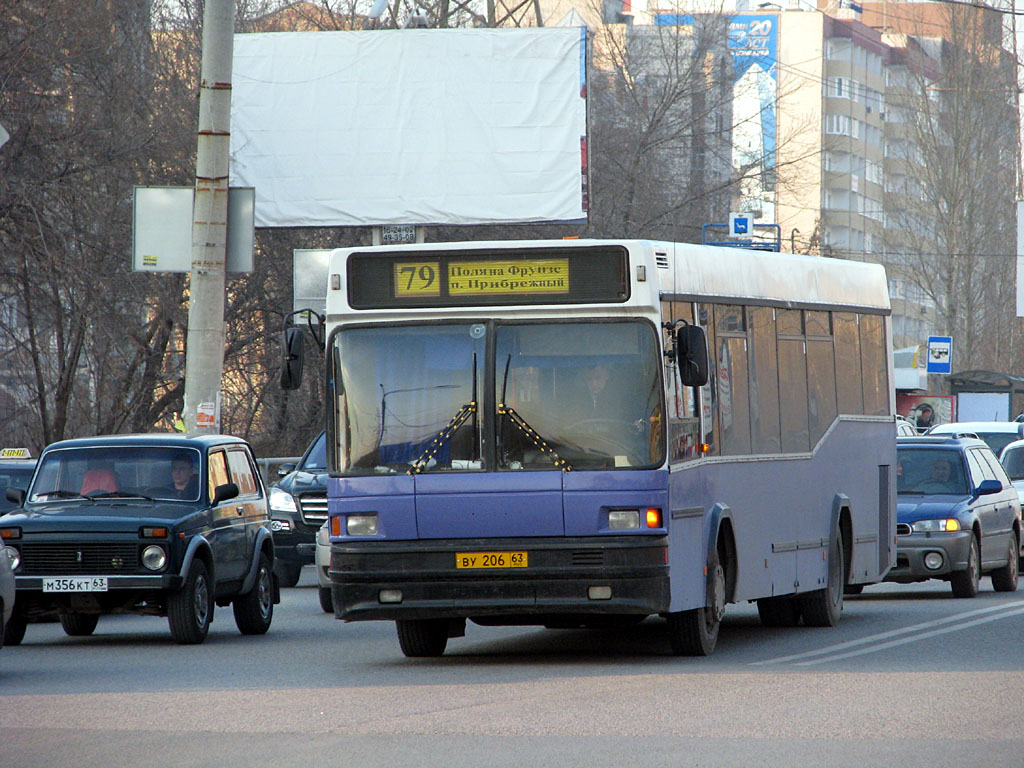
[(553, 396)]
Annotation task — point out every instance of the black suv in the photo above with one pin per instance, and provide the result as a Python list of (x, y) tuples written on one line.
[(159, 525), (298, 507)]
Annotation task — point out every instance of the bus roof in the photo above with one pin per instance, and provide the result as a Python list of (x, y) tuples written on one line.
[(689, 271)]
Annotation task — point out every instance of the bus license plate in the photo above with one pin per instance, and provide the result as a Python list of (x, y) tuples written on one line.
[(491, 559), (83, 584)]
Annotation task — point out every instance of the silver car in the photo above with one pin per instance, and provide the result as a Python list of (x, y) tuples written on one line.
[(6, 589), (323, 562)]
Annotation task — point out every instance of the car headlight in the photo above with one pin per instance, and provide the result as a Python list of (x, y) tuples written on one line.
[(925, 526), (323, 538), (282, 501), (14, 556), (154, 557)]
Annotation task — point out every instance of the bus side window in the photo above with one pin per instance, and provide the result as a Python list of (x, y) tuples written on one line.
[(683, 414)]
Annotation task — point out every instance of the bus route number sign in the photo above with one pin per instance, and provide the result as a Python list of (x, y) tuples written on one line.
[(417, 279), (414, 279), (491, 559)]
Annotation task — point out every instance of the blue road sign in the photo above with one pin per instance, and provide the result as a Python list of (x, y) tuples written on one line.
[(739, 224), (940, 354)]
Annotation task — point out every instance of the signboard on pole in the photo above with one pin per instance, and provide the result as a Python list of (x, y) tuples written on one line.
[(940, 354), (740, 225)]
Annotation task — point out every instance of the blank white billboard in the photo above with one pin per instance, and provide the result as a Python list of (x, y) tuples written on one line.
[(411, 126)]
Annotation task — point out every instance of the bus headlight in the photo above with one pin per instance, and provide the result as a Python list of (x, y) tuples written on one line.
[(154, 557), (622, 519), (361, 525)]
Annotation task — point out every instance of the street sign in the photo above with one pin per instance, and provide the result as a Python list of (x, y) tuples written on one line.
[(740, 225), (940, 354)]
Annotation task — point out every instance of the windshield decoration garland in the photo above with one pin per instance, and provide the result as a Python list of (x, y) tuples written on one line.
[(443, 436), (519, 423)]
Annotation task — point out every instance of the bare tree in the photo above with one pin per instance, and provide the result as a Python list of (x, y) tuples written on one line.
[(951, 212)]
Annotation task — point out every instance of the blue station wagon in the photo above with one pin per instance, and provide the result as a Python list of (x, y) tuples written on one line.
[(958, 515)]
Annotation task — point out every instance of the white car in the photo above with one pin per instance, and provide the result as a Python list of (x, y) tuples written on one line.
[(323, 562), (1012, 459), (6, 589), (997, 434)]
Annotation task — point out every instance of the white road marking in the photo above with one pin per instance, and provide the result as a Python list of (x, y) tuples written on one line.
[(835, 652)]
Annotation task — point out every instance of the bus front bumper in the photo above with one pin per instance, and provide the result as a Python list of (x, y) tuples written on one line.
[(589, 576)]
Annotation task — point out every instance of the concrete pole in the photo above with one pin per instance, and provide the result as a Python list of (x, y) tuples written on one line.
[(204, 353)]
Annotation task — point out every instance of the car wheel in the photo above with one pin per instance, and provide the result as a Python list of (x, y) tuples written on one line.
[(79, 624), (1005, 579), (326, 601), (190, 609), (965, 582), (14, 632), (823, 607), (3, 624), (255, 610), (779, 611), (422, 637), (288, 574)]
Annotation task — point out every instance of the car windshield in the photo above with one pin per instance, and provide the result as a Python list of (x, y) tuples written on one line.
[(926, 471), (316, 459), (558, 395), (998, 440), (122, 471), (1013, 463)]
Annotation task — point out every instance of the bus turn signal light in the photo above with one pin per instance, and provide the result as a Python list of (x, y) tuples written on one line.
[(653, 517)]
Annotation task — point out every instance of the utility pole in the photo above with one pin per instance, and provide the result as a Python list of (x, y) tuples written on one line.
[(204, 351)]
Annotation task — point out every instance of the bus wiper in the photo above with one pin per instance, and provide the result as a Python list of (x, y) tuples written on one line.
[(460, 418), (532, 435)]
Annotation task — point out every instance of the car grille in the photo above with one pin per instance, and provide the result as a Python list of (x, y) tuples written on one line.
[(904, 529), (80, 558), (313, 507)]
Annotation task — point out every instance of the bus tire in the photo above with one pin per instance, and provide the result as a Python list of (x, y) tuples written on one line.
[(965, 583), (778, 611), (79, 624), (422, 637), (695, 632), (1004, 579), (823, 607)]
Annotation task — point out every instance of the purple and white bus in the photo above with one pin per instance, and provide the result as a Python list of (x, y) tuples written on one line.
[(587, 433)]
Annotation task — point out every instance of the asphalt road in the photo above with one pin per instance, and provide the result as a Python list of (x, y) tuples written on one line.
[(911, 677)]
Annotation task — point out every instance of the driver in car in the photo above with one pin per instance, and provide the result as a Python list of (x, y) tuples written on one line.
[(184, 476)]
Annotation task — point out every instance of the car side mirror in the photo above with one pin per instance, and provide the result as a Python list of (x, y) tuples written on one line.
[(692, 355), (284, 469), (15, 496), (291, 358), (224, 492), (989, 486)]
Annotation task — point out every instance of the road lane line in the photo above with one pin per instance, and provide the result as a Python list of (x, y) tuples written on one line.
[(891, 633), (914, 639)]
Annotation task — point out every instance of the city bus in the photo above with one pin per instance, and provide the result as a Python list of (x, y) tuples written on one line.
[(590, 433)]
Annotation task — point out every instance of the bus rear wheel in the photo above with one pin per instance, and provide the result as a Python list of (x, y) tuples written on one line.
[(422, 637), (823, 607)]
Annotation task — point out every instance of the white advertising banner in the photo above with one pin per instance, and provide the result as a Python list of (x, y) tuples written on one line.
[(411, 126)]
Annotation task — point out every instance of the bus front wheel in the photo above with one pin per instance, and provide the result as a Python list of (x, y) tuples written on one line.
[(695, 632)]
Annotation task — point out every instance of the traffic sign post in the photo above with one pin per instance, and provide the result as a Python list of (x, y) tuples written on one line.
[(740, 225), (940, 354)]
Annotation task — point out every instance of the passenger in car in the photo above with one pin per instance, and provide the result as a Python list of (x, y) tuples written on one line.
[(940, 478)]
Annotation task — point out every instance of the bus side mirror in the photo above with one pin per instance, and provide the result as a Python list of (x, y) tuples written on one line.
[(692, 355), (291, 358)]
